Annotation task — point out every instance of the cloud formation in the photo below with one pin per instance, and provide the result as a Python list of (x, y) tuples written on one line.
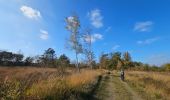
[(148, 41), (96, 18), (93, 37), (143, 26), (115, 47), (30, 12), (44, 35)]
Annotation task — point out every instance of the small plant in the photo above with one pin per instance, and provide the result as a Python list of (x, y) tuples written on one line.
[(10, 90)]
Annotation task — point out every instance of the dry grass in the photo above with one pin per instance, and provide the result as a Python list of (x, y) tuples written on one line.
[(44, 83), (152, 85), (63, 87), (20, 73)]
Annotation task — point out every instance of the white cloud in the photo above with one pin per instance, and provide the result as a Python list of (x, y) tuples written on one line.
[(115, 47), (44, 35), (98, 36), (93, 38), (143, 26), (148, 41), (30, 12), (96, 18)]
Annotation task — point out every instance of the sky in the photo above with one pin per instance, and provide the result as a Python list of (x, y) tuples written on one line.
[(141, 27)]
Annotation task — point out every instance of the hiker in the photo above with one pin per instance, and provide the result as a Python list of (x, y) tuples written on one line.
[(122, 75)]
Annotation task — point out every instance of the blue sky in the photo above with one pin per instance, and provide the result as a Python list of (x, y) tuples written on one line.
[(141, 27)]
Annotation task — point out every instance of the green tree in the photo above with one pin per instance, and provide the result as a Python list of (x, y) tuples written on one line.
[(29, 61), (116, 60), (48, 58), (166, 67), (64, 61), (6, 57), (104, 61), (127, 61), (18, 58)]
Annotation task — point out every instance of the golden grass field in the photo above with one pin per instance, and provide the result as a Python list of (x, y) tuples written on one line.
[(151, 85), (44, 83), (47, 83)]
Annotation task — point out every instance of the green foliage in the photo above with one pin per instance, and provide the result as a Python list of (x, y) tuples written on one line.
[(127, 60), (115, 61), (64, 61), (48, 58), (9, 58), (166, 67), (104, 60), (28, 61)]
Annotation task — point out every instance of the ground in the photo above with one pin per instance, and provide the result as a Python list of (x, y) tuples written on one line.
[(112, 88)]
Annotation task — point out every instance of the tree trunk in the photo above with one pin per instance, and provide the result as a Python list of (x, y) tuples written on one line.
[(77, 62), (90, 44)]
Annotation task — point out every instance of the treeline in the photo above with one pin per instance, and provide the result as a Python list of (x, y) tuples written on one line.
[(118, 60), (110, 61), (47, 59), (11, 59)]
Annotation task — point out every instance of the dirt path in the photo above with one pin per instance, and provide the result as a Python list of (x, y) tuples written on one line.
[(112, 88)]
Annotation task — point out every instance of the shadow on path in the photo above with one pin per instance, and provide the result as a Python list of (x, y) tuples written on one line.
[(90, 95)]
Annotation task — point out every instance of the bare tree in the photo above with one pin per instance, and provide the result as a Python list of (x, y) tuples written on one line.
[(87, 37), (73, 25)]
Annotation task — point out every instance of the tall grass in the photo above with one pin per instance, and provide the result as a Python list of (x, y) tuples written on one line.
[(64, 87), (44, 83), (152, 85)]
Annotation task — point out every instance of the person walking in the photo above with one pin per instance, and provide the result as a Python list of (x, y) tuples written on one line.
[(122, 75)]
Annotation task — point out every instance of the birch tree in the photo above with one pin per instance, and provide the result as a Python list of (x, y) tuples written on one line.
[(88, 39), (73, 25)]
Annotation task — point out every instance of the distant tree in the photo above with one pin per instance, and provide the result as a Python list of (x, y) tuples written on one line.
[(116, 60), (166, 67), (89, 54), (146, 67), (119, 64), (29, 61), (64, 61), (137, 64), (73, 25), (6, 58), (127, 56), (127, 60), (18, 58), (104, 61), (9, 58), (48, 58), (94, 64), (37, 60)]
